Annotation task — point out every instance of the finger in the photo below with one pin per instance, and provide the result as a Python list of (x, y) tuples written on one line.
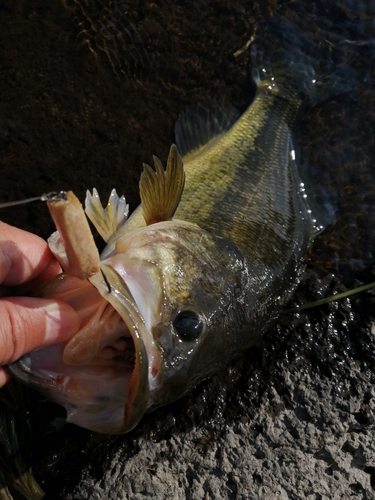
[(24, 256), (4, 377), (27, 323)]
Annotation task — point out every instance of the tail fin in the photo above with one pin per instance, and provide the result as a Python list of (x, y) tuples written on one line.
[(289, 63), (299, 67)]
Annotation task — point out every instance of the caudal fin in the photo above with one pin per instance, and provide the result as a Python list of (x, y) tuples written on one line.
[(289, 63)]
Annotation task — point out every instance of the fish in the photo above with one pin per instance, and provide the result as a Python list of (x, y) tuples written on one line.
[(201, 269)]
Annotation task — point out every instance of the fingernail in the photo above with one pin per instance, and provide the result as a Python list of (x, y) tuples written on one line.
[(62, 322)]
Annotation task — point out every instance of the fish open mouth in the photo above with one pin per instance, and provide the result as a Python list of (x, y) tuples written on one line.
[(101, 375)]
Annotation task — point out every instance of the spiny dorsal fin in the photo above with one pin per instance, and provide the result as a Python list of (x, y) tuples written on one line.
[(106, 220), (200, 123), (161, 189)]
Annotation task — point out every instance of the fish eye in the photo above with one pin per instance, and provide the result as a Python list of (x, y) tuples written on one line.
[(188, 325)]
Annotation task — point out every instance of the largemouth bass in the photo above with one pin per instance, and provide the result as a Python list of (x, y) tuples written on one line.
[(199, 271)]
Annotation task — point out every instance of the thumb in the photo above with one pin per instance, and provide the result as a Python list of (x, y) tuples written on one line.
[(27, 323)]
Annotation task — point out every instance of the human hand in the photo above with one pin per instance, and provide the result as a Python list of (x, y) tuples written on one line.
[(27, 323)]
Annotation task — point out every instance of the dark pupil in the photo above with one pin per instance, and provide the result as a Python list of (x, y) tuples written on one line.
[(188, 325)]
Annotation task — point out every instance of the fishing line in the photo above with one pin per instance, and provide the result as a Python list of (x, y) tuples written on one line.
[(52, 196)]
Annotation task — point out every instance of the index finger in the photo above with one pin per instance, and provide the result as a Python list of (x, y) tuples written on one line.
[(24, 256)]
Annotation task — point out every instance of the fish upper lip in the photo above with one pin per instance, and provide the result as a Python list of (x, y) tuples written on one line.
[(114, 289)]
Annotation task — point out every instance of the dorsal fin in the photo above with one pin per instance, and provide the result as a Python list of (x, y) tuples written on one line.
[(199, 124), (160, 189)]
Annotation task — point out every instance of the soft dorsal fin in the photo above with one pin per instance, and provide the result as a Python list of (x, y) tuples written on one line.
[(160, 189), (199, 124)]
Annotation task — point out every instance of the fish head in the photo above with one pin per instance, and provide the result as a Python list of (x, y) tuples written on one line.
[(185, 285), (158, 319)]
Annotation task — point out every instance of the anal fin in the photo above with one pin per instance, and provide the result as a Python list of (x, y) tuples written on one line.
[(106, 220)]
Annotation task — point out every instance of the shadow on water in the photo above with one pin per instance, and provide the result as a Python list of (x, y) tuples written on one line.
[(92, 88)]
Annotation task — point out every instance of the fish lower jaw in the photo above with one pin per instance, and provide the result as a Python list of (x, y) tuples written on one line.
[(102, 375), (94, 396), (97, 383)]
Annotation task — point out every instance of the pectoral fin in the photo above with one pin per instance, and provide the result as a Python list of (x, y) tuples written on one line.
[(160, 189)]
